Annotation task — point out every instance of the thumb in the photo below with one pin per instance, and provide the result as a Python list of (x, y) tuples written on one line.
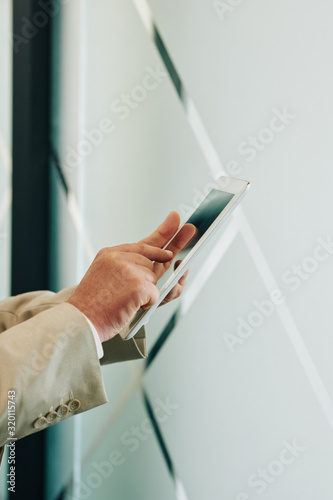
[(165, 231)]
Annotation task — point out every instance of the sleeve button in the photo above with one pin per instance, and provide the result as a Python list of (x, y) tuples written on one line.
[(51, 417), (74, 405), (62, 411), (40, 422)]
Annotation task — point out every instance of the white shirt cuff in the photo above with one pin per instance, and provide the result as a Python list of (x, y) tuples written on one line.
[(99, 347)]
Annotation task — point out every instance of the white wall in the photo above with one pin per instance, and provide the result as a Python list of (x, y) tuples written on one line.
[(242, 396)]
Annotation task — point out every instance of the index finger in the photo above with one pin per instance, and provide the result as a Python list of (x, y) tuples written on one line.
[(152, 253)]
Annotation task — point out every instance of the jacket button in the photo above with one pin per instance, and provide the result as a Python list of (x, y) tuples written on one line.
[(40, 422), (74, 405), (62, 411), (51, 417)]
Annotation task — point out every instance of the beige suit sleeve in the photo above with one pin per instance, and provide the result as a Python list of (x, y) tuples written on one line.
[(48, 357), (50, 362), (15, 310)]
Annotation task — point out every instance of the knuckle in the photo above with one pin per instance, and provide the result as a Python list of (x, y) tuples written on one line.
[(141, 247), (102, 252), (113, 256), (126, 247)]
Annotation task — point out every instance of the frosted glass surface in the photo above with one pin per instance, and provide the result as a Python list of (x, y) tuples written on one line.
[(68, 90), (118, 379), (128, 464), (260, 56), (150, 163), (240, 403), (63, 238)]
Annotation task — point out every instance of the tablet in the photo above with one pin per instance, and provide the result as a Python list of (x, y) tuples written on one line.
[(207, 218)]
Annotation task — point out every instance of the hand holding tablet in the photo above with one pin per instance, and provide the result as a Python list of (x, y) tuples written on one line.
[(206, 219)]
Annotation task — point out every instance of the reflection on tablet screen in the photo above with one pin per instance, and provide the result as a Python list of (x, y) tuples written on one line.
[(207, 212), (202, 219)]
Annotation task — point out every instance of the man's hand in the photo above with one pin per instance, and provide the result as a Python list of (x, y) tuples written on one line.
[(160, 238), (122, 280)]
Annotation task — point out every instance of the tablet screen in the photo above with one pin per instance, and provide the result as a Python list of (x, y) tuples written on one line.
[(207, 212), (203, 217)]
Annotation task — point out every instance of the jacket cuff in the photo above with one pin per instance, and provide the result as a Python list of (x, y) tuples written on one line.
[(118, 349)]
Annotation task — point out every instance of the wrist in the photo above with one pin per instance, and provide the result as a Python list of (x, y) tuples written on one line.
[(87, 312), (98, 342)]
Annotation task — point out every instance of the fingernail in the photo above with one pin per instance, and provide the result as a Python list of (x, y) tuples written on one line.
[(170, 253)]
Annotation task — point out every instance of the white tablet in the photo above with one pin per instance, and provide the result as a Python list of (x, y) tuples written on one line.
[(207, 218)]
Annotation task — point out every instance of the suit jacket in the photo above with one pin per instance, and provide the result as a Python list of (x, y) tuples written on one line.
[(48, 359)]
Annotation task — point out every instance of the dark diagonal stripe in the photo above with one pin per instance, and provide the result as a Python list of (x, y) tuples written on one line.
[(168, 63), (57, 164), (62, 494), (158, 435), (162, 339)]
